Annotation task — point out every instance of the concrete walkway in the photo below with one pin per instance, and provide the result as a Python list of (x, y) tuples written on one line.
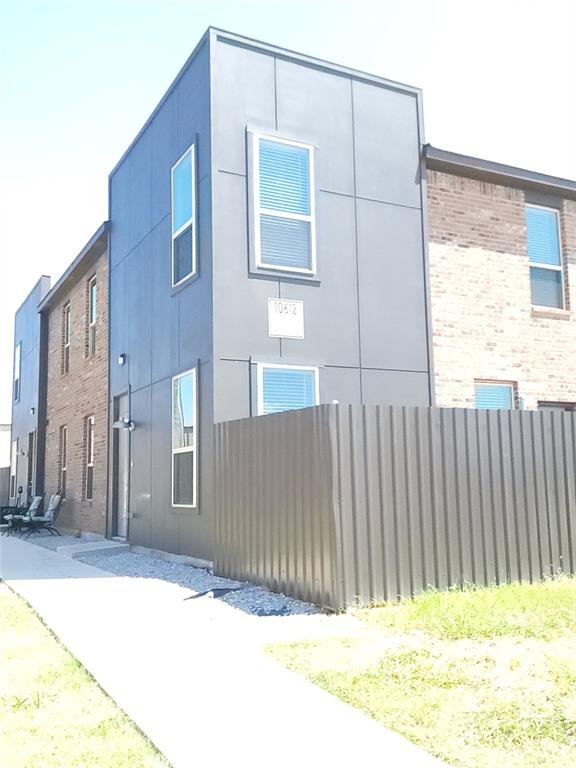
[(192, 679)]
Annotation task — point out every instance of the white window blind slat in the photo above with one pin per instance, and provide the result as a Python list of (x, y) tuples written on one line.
[(499, 396), (285, 389)]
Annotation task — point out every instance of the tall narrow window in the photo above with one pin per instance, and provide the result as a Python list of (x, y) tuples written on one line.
[(491, 394), (545, 256), (183, 224), (66, 332), (63, 459), (184, 440), (17, 364), (284, 205), (286, 387), (13, 468), (91, 340), (89, 457)]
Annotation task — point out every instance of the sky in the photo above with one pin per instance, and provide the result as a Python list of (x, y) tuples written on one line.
[(78, 78)]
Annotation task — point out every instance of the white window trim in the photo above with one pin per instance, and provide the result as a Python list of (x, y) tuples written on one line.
[(258, 211), (89, 456), (191, 221), (496, 383), (260, 381), (187, 448), (552, 267), (17, 373), (92, 310), (67, 312)]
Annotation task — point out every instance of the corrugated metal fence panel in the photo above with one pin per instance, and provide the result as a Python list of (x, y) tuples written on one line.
[(431, 497), (274, 516)]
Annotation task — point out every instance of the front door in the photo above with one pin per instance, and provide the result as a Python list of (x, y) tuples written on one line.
[(122, 470)]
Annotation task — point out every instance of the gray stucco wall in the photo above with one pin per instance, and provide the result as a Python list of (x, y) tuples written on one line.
[(27, 333), (162, 330), (366, 317)]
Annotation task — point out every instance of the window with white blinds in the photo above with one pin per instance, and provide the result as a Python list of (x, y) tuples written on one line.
[(286, 387), (284, 205), (494, 395), (545, 256)]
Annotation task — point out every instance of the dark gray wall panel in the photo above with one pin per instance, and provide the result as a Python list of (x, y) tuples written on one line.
[(119, 329), (140, 457), (394, 388), (138, 298), (330, 308), (342, 384), (316, 107), (193, 96), (242, 95), (120, 212), (241, 306), (164, 130), (392, 287), (231, 390), (387, 145), (164, 307), (140, 188), (165, 523)]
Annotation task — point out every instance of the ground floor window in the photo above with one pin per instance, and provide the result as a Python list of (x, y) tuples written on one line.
[(286, 387), (89, 487), (184, 439), (63, 459), (549, 406), (494, 394), (13, 468)]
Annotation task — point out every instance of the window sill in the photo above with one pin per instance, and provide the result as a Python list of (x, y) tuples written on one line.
[(184, 283), (547, 313)]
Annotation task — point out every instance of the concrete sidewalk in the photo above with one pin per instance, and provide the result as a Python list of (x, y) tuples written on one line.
[(189, 674)]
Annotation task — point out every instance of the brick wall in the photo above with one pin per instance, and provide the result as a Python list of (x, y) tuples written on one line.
[(484, 326), (76, 395)]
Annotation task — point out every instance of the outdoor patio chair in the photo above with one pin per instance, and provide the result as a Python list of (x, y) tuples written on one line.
[(46, 521), (17, 515)]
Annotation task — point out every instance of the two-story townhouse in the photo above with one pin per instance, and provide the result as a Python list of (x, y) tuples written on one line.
[(75, 377), (502, 245), (266, 252)]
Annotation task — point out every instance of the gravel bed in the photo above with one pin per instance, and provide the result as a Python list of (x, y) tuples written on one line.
[(243, 596)]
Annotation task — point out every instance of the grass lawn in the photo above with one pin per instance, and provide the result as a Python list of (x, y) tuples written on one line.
[(480, 678), (52, 713)]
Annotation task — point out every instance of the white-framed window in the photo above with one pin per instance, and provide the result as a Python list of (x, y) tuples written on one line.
[(284, 204), (286, 387), (17, 367), (66, 333), (184, 439), (183, 218), (545, 256), (494, 395), (91, 334), (13, 467), (89, 486), (63, 459)]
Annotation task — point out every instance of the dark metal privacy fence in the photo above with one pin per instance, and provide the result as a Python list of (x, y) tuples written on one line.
[(345, 504)]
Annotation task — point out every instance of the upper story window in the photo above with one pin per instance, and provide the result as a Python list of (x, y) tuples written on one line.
[(17, 366), (545, 256), (491, 394), (183, 219), (184, 438), (89, 489), (284, 214), (91, 331), (285, 387), (66, 333)]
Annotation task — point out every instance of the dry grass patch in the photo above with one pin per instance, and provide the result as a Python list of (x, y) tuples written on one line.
[(52, 712), (477, 678)]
